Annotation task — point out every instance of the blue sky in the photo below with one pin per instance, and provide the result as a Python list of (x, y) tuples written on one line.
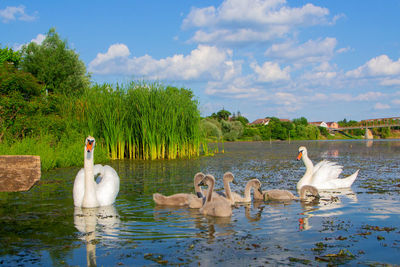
[(324, 60)]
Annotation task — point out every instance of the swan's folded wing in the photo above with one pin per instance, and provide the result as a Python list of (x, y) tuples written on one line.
[(325, 171), (107, 190)]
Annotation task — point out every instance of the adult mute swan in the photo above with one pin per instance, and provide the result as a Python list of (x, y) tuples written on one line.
[(324, 175), (87, 192), (214, 206), (183, 199)]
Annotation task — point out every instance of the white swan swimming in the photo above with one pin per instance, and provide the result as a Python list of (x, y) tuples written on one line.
[(324, 175), (87, 192)]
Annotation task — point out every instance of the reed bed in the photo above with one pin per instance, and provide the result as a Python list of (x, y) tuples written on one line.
[(141, 120)]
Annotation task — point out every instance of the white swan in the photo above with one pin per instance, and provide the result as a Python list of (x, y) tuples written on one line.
[(87, 192), (324, 175)]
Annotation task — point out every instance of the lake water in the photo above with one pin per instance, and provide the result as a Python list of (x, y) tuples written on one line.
[(360, 225)]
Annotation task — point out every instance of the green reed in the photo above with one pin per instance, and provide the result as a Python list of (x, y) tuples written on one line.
[(142, 120)]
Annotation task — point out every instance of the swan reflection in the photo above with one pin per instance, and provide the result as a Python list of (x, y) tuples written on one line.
[(330, 204), (86, 221)]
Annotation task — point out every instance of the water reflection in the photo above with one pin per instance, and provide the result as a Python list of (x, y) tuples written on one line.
[(330, 204), (333, 153), (86, 221), (257, 204), (183, 217)]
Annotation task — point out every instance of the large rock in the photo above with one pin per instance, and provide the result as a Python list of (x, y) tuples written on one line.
[(18, 173)]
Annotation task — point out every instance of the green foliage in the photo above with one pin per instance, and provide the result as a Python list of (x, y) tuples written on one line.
[(139, 120), (54, 64), (14, 80), (9, 56), (221, 115), (323, 131), (300, 121), (210, 130), (384, 132), (235, 130), (345, 123), (68, 151)]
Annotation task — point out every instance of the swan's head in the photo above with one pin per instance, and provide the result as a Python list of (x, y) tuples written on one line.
[(256, 184), (207, 180), (302, 152), (198, 177), (89, 144), (228, 176)]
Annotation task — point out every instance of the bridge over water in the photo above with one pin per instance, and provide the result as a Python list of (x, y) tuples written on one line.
[(368, 133), (363, 127)]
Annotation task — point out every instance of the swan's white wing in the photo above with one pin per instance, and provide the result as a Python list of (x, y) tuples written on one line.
[(79, 188), (108, 188), (324, 172)]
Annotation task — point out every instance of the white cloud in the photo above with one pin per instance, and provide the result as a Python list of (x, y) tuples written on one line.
[(380, 106), (39, 39), (310, 51), (204, 62), (255, 12), (250, 20), (270, 72), (378, 66), (396, 101), (113, 52), (390, 82), (12, 13), (369, 96)]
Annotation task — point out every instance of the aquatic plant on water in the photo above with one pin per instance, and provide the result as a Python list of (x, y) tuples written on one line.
[(143, 121)]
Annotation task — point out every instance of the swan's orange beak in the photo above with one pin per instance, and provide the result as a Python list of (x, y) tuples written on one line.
[(299, 155), (89, 146)]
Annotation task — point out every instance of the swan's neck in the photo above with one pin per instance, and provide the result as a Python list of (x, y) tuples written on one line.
[(247, 190), (89, 196), (228, 191), (307, 177), (210, 191), (197, 188)]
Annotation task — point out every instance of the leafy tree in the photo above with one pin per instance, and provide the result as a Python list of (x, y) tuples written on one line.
[(240, 118), (323, 131), (300, 121), (8, 55), (223, 114), (14, 80), (210, 129), (56, 65)]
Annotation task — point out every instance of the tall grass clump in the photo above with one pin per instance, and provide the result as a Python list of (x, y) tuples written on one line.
[(141, 120), (54, 153)]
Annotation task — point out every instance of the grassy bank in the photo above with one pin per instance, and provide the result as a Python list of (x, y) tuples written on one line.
[(68, 151)]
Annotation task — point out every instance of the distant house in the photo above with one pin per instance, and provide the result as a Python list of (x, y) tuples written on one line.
[(332, 124), (260, 121), (285, 120), (319, 123)]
